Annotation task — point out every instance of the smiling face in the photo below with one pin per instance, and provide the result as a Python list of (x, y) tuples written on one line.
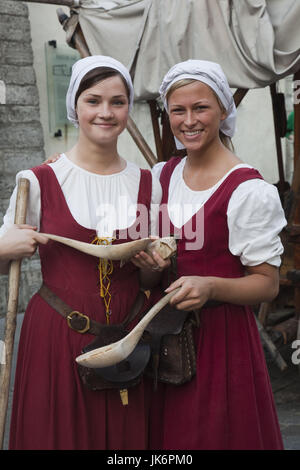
[(195, 115), (102, 111)]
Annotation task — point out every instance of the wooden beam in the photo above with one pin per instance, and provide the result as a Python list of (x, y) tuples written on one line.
[(65, 3), (140, 142), (154, 112), (275, 354), (263, 313), (297, 117), (276, 118), (297, 159), (239, 95), (168, 142)]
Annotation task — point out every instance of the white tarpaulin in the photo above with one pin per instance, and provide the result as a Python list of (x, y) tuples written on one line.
[(256, 42)]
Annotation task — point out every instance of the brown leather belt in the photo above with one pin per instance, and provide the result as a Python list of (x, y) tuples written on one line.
[(78, 321)]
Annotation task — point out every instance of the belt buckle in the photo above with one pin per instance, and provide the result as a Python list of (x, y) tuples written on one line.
[(69, 319)]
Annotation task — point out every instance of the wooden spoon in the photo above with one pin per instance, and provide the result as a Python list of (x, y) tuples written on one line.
[(116, 352), (166, 247)]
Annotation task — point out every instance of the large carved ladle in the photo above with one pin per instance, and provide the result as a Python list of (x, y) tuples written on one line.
[(166, 247), (116, 352)]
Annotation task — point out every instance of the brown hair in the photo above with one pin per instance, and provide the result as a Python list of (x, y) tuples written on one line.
[(98, 75), (226, 141)]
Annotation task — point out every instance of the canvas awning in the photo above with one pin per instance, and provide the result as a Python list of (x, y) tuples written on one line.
[(257, 42)]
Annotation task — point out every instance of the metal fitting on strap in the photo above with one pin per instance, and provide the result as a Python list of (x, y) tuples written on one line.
[(72, 316)]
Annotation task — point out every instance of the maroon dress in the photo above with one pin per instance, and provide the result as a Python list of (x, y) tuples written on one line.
[(51, 407), (229, 403)]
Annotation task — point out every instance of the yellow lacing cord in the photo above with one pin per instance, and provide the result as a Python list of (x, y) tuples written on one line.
[(105, 270)]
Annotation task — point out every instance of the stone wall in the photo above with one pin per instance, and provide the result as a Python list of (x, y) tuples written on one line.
[(21, 135)]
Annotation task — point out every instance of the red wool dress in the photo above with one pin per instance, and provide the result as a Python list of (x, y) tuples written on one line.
[(51, 407), (229, 404)]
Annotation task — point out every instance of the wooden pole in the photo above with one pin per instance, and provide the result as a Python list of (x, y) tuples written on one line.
[(276, 356), (263, 313), (277, 140), (156, 130), (297, 218), (297, 117), (12, 308), (168, 142), (140, 142), (239, 95), (66, 3)]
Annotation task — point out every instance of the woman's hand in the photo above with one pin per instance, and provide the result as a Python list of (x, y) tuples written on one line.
[(151, 267), (261, 284), (20, 241), (193, 294), (152, 262)]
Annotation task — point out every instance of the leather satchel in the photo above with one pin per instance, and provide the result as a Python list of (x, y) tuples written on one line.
[(173, 351), (166, 353), (123, 375)]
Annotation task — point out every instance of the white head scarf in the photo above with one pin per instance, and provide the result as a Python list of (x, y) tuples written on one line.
[(212, 75), (81, 68)]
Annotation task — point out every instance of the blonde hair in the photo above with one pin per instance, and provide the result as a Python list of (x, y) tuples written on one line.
[(226, 141)]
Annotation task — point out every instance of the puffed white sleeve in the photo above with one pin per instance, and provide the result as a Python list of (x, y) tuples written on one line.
[(34, 203), (255, 219)]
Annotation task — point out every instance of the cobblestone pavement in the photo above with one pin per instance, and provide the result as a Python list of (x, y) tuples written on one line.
[(286, 390)]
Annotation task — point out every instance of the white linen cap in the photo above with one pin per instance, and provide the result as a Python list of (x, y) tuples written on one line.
[(81, 68), (212, 75)]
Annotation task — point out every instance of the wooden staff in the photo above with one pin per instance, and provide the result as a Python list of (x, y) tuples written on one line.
[(12, 308)]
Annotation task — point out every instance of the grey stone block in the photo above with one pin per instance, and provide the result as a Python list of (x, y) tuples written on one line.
[(13, 7), (6, 186), (30, 282), (21, 135), (4, 110), (14, 160), (17, 75), (16, 53), (3, 207), (19, 114), (22, 95), (14, 28)]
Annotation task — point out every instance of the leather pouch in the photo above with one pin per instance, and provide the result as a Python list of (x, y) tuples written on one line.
[(126, 373), (173, 351)]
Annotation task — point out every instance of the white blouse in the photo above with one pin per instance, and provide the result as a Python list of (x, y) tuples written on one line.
[(100, 202), (255, 216)]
